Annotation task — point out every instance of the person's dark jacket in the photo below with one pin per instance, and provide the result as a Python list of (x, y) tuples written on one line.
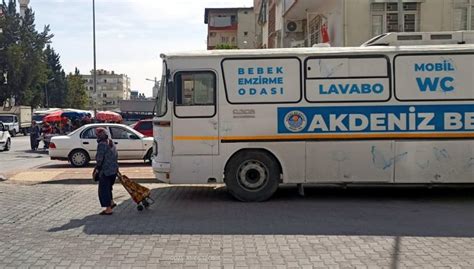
[(107, 158)]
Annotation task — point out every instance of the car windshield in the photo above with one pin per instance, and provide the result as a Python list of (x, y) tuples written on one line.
[(6, 119)]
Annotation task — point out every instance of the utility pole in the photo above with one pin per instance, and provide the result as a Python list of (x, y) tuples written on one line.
[(95, 59), (401, 16), (23, 6), (156, 86)]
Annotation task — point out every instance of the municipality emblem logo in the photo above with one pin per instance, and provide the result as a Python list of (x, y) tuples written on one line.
[(295, 121)]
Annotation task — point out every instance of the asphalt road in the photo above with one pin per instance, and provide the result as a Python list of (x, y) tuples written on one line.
[(21, 158)]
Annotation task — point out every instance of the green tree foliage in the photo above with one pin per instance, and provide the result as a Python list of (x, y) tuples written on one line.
[(77, 92), (225, 47), (55, 88), (23, 56)]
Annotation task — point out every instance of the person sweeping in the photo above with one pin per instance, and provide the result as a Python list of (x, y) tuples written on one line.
[(106, 170)]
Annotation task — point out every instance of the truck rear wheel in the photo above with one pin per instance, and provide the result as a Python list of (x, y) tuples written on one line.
[(252, 176)]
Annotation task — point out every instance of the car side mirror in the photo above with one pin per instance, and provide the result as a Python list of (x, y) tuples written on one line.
[(6, 128)]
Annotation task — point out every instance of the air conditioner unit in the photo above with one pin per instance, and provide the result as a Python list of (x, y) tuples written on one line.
[(298, 44), (294, 26)]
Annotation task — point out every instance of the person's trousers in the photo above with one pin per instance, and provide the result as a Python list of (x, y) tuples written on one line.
[(105, 190)]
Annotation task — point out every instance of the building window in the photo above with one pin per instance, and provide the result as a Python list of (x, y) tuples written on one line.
[(105, 95), (246, 33), (463, 15), (385, 17), (225, 39), (212, 34)]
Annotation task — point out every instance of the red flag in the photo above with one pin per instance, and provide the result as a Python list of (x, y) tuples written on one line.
[(325, 33)]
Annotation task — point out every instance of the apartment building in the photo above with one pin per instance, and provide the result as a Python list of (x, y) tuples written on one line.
[(231, 27), (297, 23), (111, 89)]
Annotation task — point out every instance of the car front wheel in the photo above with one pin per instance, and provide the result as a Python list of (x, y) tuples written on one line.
[(79, 158), (8, 145)]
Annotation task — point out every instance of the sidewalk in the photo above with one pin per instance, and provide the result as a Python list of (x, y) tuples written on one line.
[(66, 174)]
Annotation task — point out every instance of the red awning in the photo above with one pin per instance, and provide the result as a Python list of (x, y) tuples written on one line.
[(53, 117), (109, 116)]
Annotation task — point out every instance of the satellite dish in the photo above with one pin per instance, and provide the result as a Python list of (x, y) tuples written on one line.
[(291, 26)]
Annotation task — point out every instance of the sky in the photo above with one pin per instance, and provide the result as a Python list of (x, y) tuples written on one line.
[(130, 34)]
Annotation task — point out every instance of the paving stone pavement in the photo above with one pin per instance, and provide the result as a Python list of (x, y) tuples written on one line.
[(56, 225)]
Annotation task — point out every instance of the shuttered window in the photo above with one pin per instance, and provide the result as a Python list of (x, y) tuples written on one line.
[(314, 26), (463, 15), (385, 17)]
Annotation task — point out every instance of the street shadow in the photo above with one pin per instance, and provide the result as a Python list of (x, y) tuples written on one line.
[(92, 164), (438, 212), (83, 181), (41, 152)]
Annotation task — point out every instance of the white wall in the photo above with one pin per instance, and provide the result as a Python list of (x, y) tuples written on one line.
[(246, 23)]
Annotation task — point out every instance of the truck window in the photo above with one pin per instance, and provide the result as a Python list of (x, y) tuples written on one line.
[(195, 89), (6, 119)]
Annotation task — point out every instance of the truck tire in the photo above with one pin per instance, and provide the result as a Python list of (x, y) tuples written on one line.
[(79, 158), (13, 133), (252, 176)]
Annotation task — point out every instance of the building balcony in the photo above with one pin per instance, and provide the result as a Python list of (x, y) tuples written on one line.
[(297, 9), (229, 28)]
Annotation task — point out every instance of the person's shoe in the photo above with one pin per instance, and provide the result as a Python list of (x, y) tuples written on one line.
[(105, 213), (113, 205)]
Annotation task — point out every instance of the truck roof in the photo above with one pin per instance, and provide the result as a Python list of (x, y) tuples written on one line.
[(318, 50)]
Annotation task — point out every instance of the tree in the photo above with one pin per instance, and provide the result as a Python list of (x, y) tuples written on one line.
[(76, 91), (225, 47), (56, 88), (10, 54), (24, 58)]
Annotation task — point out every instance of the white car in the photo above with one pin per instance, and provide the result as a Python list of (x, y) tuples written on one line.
[(80, 146), (5, 138)]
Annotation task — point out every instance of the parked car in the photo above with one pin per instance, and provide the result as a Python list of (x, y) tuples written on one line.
[(5, 138), (79, 147), (145, 127)]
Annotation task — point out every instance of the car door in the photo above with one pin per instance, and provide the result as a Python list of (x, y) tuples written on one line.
[(89, 141), (129, 145)]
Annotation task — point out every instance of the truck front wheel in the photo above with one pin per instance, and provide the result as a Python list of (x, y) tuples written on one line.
[(13, 133), (252, 176)]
